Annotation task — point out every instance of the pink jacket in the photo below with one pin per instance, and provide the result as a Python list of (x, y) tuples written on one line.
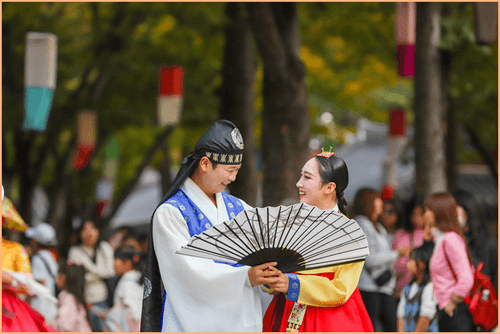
[(71, 316), (445, 284), (404, 239)]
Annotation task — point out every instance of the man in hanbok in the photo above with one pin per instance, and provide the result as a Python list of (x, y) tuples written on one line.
[(183, 293)]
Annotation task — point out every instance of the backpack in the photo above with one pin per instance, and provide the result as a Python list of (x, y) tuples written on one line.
[(482, 301)]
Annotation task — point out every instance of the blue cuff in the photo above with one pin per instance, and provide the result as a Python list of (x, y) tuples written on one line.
[(293, 287)]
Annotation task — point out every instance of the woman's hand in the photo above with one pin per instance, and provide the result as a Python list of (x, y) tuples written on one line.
[(404, 251), (6, 277), (281, 284), (263, 274), (450, 308)]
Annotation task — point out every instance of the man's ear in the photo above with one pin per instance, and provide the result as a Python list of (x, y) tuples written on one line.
[(330, 188), (205, 163)]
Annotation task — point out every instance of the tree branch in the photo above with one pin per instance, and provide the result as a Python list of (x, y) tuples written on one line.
[(104, 221)]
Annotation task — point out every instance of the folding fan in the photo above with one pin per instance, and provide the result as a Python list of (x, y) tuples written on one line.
[(298, 237)]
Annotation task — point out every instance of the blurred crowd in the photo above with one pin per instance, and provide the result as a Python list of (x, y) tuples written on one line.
[(98, 285)]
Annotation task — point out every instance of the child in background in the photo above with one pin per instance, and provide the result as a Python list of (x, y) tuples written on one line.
[(125, 315), (72, 315), (417, 305)]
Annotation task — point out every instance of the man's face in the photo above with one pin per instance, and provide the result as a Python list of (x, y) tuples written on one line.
[(216, 180)]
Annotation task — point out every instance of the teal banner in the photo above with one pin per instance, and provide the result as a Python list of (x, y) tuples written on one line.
[(37, 103)]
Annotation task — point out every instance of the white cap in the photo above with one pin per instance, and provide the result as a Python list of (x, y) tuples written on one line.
[(43, 233)]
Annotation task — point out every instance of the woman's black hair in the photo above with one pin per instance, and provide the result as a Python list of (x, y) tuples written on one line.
[(129, 253), (334, 169), (424, 254), (397, 207), (75, 281), (415, 201)]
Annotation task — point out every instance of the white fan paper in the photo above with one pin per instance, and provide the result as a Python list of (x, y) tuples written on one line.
[(298, 237)]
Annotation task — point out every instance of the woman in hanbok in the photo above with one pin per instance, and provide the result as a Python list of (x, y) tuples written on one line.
[(325, 299), (17, 315)]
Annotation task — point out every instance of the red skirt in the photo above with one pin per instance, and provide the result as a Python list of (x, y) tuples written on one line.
[(349, 317), (18, 316)]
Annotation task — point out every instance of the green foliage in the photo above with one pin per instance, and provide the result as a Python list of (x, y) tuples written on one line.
[(348, 50)]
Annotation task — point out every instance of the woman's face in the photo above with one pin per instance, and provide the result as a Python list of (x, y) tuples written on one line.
[(417, 217), (389, 217), (311, 189), (122, 266), (429, 220), (61, 281), (378, 208), (89, 234), (411, 266)]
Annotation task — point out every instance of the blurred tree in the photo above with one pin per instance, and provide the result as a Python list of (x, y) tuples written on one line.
[(430, 125), (237, 95), (285, 116)]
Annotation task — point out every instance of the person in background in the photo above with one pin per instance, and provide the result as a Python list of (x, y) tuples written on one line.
[(125, 315), (377, 280), (410, 234), (97, 259), (44, 266), (392, 217), (483, 245), (329, 296), (451, 264), (417, 305), (72, 315)]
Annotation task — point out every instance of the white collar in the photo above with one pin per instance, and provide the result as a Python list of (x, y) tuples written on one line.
[(336, 208)]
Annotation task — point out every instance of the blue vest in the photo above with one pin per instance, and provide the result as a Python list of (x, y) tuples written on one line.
[(412, 312), (196, 221)]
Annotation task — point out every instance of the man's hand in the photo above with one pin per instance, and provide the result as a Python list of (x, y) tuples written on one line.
[(281, 285), (263, 274)]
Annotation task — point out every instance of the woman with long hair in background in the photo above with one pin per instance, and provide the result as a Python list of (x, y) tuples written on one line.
[(451, 265), (377, 280)]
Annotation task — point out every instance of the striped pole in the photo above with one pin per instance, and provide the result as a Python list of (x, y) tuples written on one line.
[(405, 41), (395, 146), (105, 185), (406, 20), (170, 95), (86, 138), (40, 71)]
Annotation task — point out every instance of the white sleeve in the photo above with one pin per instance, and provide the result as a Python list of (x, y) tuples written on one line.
[(103, 269), (400, 313), (198, 280), (428, 302)]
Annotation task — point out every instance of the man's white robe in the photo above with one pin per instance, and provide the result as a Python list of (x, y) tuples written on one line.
[(201, 295)]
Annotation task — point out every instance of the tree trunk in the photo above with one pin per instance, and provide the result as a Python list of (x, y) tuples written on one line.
[(430, 175), (285, 116), (237, 97), (451, 128)]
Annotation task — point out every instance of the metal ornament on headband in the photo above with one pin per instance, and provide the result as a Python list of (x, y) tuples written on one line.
[(326, 154)]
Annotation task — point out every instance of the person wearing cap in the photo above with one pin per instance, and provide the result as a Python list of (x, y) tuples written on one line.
[(190, 294), (44, 266)]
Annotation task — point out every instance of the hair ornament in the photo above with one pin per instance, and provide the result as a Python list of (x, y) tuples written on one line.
[(136, 258), (326, 154)]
